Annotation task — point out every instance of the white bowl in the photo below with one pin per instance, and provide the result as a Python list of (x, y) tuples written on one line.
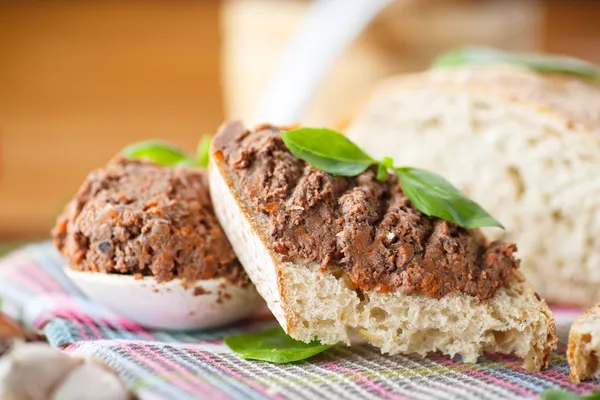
[(169, 305)]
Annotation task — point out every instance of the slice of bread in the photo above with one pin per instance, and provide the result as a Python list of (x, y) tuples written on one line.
[(309, 302), (524, 145), (583, 352)]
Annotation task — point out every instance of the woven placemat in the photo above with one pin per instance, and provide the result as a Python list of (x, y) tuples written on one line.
[(192, 365)]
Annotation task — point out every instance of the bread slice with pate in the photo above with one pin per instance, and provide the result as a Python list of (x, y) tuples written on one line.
[(337, 256), (523, 144), (583, 352)]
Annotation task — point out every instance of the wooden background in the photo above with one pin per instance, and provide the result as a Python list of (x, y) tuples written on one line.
[(80, 80)]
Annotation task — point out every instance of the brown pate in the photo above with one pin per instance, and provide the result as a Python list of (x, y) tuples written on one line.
[(139, 218), (367, 228)]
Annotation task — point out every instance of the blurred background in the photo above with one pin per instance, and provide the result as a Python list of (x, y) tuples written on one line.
[(80, 80)]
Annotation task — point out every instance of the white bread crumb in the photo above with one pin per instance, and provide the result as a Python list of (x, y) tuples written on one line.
[(583, 352)]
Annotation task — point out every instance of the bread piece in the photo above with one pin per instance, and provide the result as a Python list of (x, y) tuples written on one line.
[(309, 302), (524, 145), (584, 346)]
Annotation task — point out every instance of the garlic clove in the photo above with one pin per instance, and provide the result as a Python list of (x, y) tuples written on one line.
[(90, 381), (30, 371)]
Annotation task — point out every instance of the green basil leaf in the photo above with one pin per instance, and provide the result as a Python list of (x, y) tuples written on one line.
[(327, 150), (551, 394), (434, 196), (203, 151), (537, 62), (382, 168), (274, 346), (187, 162), (158, 152)]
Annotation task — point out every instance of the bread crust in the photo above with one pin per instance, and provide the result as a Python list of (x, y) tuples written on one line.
[(218, 166), (573, 100)]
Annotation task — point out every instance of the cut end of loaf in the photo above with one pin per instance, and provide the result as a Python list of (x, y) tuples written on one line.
[(583, 352), (309, 303)]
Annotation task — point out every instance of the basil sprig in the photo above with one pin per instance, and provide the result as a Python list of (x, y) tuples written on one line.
[(165, 154), (334, 153), (203, 151), (551, 394), (274, 346), (534, 61)]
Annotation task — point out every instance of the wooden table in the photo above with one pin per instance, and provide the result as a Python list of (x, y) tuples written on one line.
[(80, 80)]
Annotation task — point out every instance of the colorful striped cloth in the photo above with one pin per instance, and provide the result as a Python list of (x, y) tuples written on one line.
[(192, 365)]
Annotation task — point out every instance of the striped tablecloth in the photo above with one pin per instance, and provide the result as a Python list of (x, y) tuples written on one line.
[(191, 365)]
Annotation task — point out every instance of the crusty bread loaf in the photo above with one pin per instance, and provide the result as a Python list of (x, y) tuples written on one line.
[(525, 145), (583, 352), (310, 303)]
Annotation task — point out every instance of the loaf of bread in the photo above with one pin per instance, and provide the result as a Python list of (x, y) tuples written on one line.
[(584, 346), (310, 300), (523, 144)]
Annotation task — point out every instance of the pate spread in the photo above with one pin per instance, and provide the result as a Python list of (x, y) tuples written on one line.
[(139, 218), (366, 228)]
